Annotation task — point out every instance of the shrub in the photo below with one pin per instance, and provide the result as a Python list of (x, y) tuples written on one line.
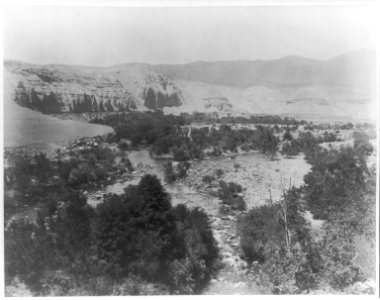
[(169, 174), (59, 240), (282, 245), (200, 248), (219, 172), (230, 193), (180, 154), (291, 148), (135, 232), (260, 231), (123, 145), (338, 252), (182, 169), (266, 141), (208, 179)]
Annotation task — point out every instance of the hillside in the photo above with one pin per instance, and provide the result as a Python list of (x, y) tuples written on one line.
[(23, 126), (342, 87)]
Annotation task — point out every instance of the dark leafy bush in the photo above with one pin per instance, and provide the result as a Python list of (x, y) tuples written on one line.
[(169, 174), (230, 193), (277, 236), (59, 240), (193, 270), (219, 172), (182, 168), (291, 148), (208, 179)]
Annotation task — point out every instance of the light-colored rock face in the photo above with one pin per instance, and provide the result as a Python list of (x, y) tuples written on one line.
[(86, 89), (340, 88)]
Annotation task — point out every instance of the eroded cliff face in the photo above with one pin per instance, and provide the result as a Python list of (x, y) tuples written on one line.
[(336, 89), (219, 103), (55, 89)]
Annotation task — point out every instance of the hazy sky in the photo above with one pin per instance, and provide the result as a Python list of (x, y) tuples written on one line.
[(108, 35)]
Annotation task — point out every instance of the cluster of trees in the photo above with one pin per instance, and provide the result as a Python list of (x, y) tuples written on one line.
[(167, 134), (339, 189), (156, 101), (89, 104), (211, 118), (307, 142), (172, 174), (31, 177), (136, 236), (47, 105), (152, 128), (276, 236)]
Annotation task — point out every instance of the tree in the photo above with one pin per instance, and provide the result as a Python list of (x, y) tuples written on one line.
[(101, 106), (169, 174), (150, 99), (109, 106)]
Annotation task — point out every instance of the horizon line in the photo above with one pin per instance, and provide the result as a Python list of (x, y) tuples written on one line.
[(188, 63)]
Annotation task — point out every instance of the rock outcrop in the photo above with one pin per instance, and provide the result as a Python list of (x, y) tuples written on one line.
[(340, 88), (55, 89)]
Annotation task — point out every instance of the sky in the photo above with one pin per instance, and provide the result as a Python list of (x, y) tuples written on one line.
[(104, 36)]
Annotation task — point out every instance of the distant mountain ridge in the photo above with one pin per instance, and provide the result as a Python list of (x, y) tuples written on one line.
[(341, 86), (353, 68)]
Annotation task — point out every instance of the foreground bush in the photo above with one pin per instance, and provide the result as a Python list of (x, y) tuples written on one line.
[(276, 236), (190, 273), (74, 248)]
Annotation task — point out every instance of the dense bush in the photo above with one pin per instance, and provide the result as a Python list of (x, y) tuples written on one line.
[(278, 238), (230, 193), (59, 240), (171, 174), (219, 172), (127, 242), (83, 162), (266, 141), (335, 176), (208, 179), (182, 168), (135, 232), (260, 231), (191, 272), (291, 148), (167, 134)]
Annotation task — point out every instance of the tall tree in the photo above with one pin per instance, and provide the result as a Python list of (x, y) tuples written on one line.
[(150, 99)]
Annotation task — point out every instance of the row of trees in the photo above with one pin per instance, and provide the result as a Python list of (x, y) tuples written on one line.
[(157, 101), (167, 134)]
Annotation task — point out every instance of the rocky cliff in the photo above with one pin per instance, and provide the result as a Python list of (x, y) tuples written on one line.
[(340, 87), (56, 89)]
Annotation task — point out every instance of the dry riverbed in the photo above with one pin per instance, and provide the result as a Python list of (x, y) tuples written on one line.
[(254, 171)]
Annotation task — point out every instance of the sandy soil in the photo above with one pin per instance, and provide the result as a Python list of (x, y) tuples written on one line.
[(24, 127)]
